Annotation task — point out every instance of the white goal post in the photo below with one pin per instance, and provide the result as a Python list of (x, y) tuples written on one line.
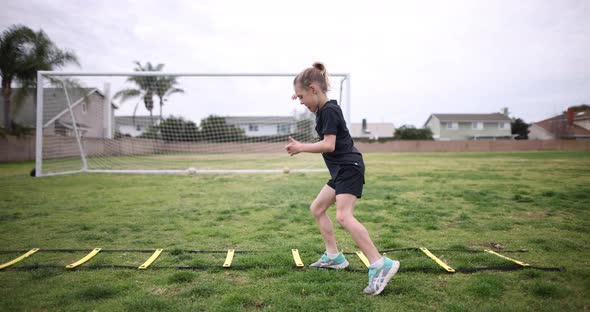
[(169, 122)]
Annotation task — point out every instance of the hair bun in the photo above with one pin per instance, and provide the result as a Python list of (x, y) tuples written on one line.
[(320, 66), (315, 74)]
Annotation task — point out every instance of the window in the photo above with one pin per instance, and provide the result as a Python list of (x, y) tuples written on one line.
[(253, 127), (452, 125), (477, 125), (283, 129), (504, 125), (84, 107)]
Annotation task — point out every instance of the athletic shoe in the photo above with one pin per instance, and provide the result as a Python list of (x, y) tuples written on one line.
[(379, 277), (326, 262)]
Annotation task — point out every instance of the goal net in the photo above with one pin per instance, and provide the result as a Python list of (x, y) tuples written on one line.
[(155, 122)]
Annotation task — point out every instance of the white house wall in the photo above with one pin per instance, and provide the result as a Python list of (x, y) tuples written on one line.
[(434, 125), (583, 123), (378, 130), (130, 130), (539, 133), (465, 131), (93, 118), (264, 130)]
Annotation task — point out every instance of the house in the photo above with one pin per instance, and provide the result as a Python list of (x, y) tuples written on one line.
[(373, 130), (93, 117), (572, 124), (134, 125), (255, 126), (446, 127)]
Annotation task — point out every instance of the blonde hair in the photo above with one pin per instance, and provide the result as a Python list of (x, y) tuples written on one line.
[(317, 73)]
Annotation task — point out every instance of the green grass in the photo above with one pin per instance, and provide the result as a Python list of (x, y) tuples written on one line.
[(182, 161), (527, 200)]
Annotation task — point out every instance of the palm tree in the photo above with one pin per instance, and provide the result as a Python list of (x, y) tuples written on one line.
[(145, 87), (166, 86), (23, 52)]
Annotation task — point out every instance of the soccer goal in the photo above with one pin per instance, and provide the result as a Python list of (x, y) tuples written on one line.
[(156, 122)]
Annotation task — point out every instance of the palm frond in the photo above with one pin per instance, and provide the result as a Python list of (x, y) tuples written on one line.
[(138, 66), (127, 94), (174, 90), (19, 97), (14, 43), (23, 52)]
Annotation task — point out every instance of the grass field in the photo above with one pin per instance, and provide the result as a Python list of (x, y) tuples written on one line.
[(528, 200), (182, 161)]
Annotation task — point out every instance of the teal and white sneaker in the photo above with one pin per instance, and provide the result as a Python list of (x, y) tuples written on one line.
[(379, 277), (326, 262)]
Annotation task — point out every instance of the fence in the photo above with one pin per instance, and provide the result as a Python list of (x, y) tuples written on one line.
[(23, 148)]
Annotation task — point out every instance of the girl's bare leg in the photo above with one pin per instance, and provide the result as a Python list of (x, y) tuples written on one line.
[(319, 206), (344, 216)]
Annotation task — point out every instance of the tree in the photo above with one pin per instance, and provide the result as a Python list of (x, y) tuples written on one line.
[(166, 86), (520, 128), (23, 52), (214, 129), (517, 125), (145, 87), (408, 132), (179, 130), (580, 108)]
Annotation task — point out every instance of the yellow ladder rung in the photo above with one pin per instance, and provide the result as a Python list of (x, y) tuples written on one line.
[(83, 260), (151, 259), (504, 257), (29, 253), (363, 258), (229, 258), (297, 258), (440, 262)]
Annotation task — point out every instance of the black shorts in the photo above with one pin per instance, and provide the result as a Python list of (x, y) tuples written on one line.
[(348, 180)]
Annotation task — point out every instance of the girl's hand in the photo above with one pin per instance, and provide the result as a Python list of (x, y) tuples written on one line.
[(294, 146)]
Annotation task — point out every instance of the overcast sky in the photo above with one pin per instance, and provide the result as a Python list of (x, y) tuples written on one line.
[(407, 59)]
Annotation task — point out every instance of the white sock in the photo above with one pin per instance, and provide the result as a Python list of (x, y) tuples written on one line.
[(376, 264), (332, 256)]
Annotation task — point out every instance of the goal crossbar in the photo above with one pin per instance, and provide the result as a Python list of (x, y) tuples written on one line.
[(189, 74), (60, 121)]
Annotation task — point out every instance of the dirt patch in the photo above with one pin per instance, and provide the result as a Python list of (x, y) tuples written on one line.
[(238, 279), (492, 245)]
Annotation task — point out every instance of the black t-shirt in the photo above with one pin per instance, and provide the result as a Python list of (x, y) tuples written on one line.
[(329, 120)]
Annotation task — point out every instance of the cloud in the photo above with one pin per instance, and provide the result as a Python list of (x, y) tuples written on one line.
[(407, 59)]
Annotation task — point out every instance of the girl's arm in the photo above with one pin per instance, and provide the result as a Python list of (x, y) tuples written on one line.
[(327, 145)]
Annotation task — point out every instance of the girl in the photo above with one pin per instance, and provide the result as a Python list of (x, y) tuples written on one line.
[(347, 168)]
